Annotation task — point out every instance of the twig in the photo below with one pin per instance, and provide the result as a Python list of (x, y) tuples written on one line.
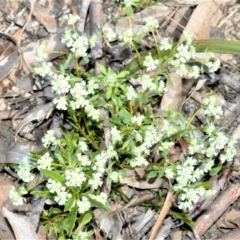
[(83, 14), (166, 207), (217, 208)]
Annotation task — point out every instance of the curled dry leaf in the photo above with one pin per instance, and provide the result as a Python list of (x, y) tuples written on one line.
[(139, 179), (21, 226), (10, 67), (38, 113), (20, 151)]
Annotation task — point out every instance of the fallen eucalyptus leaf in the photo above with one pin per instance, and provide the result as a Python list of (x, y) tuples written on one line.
[(21, 226), (142, 181)]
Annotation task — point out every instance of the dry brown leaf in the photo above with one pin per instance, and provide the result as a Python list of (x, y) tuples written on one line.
[(230, 220), (173, 95), (199, 23), (158, 11), (44, 17), (10, 68), (133, 179), (21, 226)]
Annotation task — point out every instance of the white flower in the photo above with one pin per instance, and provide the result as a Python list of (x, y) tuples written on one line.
[(92, 113), (161, 88), (16, 196), (114, 176), (108, 33), (62, 196), (210, 129), (208, 165), (131, 93), (193, 72), (44, 162), (79, 90), (139, 161), (169, 173), (60, 84), (92, 40), (67, 36), (85, 161), (83, 146), (115, 135), (61, 103), (164, 146), (111, 153), (187, 37), (126, 36), (40, 52), (74, 178), (24, 171), (72, 19), (53, 186), (137, 119), (166, 44), (102, 198), (147, 82), (197, 174), (150, 24), (213, 66), (83, 205), (48, 138), (184, 53), (149, 63), (95, 181), (44, 69), (182, 70)]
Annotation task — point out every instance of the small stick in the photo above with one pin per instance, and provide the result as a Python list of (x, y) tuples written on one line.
[(166, 207)]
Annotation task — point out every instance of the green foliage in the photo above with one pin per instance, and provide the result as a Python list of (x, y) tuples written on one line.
[(115, 126)]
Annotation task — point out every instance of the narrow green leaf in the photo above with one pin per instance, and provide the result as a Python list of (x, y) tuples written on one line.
[(217, 46), (59, 157), (123, 74), (102, 69), (214, 171), (44, 194), (97, 204), (66, 63), (54, 175), (70, 203), (86, 219), (109, 93), (152, 174), (70, 222)]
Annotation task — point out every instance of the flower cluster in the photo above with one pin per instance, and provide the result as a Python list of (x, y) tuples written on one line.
[(24, 171), (16, 196), (211, 108)]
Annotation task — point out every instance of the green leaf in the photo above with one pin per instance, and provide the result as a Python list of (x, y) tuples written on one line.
[(54, 175), (59, 157), (70, 222), (129, 11), (152, 174), (44, 194), (214, 171), (86, 219), (184, 218), (109, 93), (66, 63), (123, 74), (70, 203), (97, 204), (217, 46), (102, 69)]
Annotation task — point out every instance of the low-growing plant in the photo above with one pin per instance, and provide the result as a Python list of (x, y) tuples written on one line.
[(115, 126)]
